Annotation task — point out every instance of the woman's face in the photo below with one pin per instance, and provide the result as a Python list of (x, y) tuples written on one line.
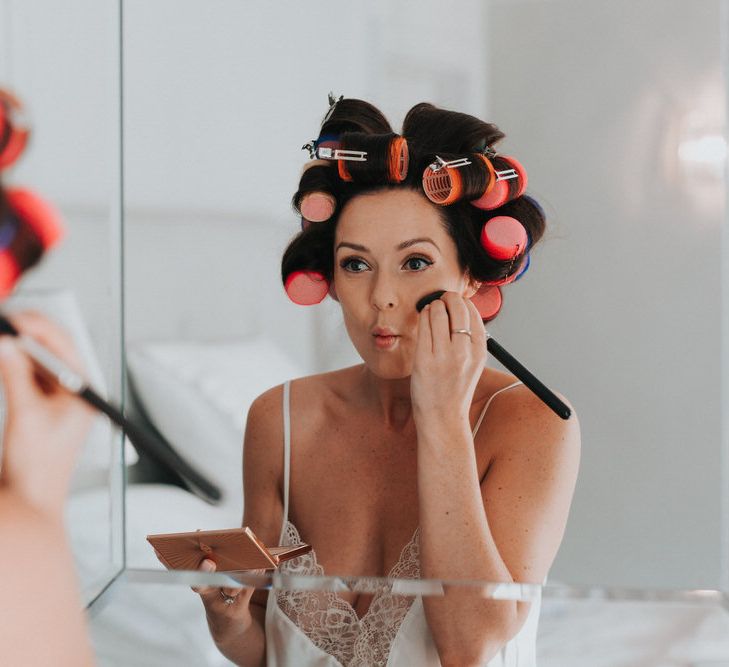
[(390, 249)]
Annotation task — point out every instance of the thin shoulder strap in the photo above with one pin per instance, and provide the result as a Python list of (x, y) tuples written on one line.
[(287, 448), (486, 407)]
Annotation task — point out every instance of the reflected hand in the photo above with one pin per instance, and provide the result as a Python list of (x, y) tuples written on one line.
[(45, 425)]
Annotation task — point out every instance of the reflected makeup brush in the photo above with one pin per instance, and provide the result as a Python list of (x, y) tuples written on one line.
[(28, 227), (511, 364), (53, 367)]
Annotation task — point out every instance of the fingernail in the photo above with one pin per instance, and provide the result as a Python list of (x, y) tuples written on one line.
[(207, 565)]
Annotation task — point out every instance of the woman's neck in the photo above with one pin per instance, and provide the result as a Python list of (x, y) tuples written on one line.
[(389, 398)]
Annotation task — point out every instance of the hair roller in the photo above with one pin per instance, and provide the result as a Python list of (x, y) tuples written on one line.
[(488, 301), (372, 158), (317, 206), (314, 199), (13, 130), (504, 238), (306, 288), (399, 160), (447, 181), (511, 182), (28, 227)]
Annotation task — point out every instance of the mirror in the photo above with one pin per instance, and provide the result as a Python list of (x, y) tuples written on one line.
[(631, 175), (618, 112), (70, 92)]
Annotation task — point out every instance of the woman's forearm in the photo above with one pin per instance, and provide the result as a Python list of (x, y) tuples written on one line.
[(456, 543), (42, 621), (242, 643)]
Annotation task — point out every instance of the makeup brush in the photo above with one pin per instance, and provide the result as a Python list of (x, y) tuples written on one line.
[(29, 226), (74, 383), (511, 364)]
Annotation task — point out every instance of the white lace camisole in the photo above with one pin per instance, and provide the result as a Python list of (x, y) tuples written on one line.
[(320, 629)]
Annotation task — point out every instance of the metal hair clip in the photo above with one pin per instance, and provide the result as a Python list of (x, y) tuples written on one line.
[(327, 153), (442, 164), (506, 175), (332, 104), (311, 147), (489, 152)]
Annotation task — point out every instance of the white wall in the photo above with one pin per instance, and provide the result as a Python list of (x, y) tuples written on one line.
[(621, 307)]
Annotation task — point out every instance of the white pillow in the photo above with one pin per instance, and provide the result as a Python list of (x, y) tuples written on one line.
[(197, 395), (61, 307)]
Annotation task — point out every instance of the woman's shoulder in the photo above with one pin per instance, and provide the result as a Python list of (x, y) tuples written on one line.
[(307, 393), (518, 417)]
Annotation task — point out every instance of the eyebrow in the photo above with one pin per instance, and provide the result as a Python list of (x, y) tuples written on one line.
[(402, 246)]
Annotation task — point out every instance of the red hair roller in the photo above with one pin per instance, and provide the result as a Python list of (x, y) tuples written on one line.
[(488, 301), (29, 227), (504, 237), (498, 195), (13, 131), (306, 287)]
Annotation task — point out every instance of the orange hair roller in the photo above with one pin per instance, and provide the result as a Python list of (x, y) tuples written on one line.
[(399, 159), (442, 181)]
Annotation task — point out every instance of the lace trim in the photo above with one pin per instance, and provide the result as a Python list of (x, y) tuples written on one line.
[(332, 624)]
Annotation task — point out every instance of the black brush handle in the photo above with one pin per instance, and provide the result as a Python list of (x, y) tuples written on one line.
[(147, 443), (511, 363), (143, 440), (527, 378)]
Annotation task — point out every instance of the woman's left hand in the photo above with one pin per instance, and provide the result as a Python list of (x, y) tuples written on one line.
[(447, 366)]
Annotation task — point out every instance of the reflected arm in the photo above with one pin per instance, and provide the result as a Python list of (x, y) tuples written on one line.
[(41, 618)]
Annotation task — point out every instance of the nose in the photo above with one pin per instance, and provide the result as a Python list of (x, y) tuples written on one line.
[(384, 296)]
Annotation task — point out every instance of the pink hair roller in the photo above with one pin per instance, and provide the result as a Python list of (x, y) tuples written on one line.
[(318, 206), (504, 237), (488, 301), (306, 288), (498, 195)]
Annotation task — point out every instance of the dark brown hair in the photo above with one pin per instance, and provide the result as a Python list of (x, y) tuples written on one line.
[(429, 131)]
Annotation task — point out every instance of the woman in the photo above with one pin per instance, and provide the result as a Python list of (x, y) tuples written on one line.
[(393, 467)]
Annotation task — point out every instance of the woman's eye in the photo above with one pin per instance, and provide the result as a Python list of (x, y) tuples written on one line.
[(353, 264), (417, 263)]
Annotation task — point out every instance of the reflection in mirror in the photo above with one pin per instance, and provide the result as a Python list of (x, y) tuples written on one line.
[(211, 162), (70, 93)]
